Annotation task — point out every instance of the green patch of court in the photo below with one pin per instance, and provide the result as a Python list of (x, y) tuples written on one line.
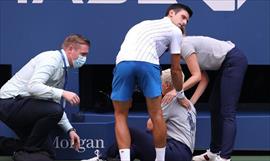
[(251, 158)]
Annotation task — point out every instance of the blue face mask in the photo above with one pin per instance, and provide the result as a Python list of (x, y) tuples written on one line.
[(79, 62)]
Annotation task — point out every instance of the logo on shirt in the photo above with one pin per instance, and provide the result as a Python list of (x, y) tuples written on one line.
[(215, 5)]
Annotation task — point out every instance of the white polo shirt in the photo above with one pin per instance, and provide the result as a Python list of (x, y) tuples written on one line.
[(148, 40), (210, 52)]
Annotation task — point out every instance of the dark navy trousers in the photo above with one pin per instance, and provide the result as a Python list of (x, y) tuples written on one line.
[(142, 147), (32, 120), (223, 102)]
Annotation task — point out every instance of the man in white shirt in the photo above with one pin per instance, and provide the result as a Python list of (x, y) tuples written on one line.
[(30, 100), (138, 63)]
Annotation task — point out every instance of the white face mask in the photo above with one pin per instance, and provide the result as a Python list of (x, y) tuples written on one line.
[(79, 62)]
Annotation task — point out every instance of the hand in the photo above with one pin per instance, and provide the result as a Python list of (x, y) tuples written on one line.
[(149, 125), (71, 97), (75, 140), (184, 102), (168, 97)]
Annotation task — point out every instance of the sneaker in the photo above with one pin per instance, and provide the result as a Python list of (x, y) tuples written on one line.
[(207, 156), (91, 159), (113, 159), (218, 158), (96, 158)]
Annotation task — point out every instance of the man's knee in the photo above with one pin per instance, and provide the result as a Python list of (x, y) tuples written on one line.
[(59, 112), (56, 110), (9, 145)]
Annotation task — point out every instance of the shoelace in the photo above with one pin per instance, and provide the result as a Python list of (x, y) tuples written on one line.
[(96, 158), (97, 153)]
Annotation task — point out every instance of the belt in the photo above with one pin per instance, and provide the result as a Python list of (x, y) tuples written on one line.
[(14, 97)]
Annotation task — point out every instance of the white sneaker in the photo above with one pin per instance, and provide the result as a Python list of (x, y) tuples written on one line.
[(91, 159), (97, 153), (218, 158), (207, 156)]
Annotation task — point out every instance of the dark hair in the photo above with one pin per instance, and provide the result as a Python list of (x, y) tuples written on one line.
[(177, 7)]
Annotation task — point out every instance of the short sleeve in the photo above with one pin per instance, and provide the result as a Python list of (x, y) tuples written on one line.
[(176, 39), (166, 112), (187, 49)]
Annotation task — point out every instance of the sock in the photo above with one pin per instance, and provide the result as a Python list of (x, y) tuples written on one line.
[(160, 154), (124, 154)]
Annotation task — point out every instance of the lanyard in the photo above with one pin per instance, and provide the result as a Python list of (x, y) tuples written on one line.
[(65, 68), (63, 101)]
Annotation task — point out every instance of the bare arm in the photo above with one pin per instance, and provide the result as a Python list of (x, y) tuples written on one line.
[(176, 72), (200, 88), (177, 79), (149, 124), (194, 70)]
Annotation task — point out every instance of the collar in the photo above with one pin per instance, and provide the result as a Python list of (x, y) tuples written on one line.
[(66, 59), (168, 20)]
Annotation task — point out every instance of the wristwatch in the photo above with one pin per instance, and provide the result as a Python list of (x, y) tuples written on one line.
[(72, 129)]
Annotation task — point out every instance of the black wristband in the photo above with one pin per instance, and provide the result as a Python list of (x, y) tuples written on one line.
[(72, 129)]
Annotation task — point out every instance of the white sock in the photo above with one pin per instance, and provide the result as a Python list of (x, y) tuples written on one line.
[(160, 154), (124, 154)]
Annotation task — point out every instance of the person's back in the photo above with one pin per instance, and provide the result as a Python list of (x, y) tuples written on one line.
[(23, 78), (148, 40), (210, 52)]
